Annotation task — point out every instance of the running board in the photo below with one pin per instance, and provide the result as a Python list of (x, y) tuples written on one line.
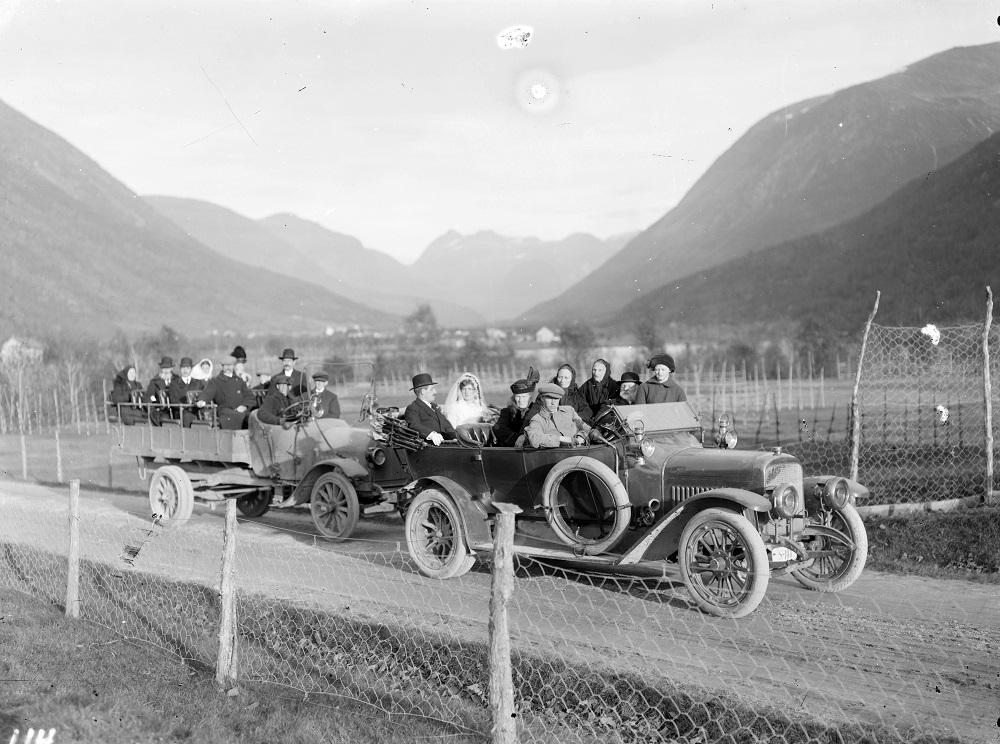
[(564, 555)]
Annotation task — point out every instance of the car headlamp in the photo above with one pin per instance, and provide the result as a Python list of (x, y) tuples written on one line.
[(377, 456), (647, 448), (837, 494), (639, 429), (785, 499)]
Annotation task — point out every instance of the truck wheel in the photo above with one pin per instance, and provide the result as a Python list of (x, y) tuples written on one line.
[(837, 561), (255, 504), (585, 514), (723, 562), (435, 536), (171, 494), (334, 505)]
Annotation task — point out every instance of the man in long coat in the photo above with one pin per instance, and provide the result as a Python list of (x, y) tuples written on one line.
[(157, 392), (297, 381), (324, 403), (426, 416), (182, 389), (276, 402), (231, 395)]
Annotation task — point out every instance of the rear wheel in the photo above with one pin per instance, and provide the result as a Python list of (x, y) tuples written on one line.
[(435, 536), (255, 504), (838, 557), (334, 505), (171, 495), (723, 562)]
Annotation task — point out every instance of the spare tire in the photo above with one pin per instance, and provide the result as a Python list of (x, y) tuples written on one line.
[(586, 515)]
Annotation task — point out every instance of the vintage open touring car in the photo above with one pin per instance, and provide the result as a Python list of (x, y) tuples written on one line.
[(337, 469), (644, 489)]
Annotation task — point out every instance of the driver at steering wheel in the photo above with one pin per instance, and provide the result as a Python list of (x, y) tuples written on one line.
[(276, 403), (555, 425)]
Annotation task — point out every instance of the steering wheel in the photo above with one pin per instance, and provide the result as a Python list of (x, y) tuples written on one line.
[(608, 424), (297, 411)]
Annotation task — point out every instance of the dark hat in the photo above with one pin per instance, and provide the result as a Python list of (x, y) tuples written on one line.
[(281, 380), (631, 377), (422, 380), (167, 363), (521, 386), (186, 362), (662, 359), (240, 353), (325, 377), (288, 354), (551, 390)]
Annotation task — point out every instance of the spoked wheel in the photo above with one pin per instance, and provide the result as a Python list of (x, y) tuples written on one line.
[(723, 563), (334, 505), (255, 504), (171, 494), (839, 549), (435, 536)]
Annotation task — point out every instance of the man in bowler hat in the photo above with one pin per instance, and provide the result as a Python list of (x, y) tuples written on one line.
[(296, 380), (426, 416), (184, 389), (324, 403), (157, 392)]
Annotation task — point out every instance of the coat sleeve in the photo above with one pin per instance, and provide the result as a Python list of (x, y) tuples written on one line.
[(640, 394), (333, 410), (539, 434), (415, 421), (268, 412)]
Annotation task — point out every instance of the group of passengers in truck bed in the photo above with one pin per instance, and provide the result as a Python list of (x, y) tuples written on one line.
[(227, 398)]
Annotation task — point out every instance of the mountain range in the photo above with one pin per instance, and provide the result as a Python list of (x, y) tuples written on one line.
[(84, 255), (800, 170)]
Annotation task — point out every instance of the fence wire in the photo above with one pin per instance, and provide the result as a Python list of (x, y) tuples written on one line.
[(921, 409), (596, 657)]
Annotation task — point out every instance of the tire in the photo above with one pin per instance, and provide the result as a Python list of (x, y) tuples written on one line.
[(724, 563), (833, 573), (171, 495), (561, 506), (333, 505), (256, 504), (435, 536)]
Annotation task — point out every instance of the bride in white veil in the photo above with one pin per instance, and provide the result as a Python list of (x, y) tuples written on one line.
[(464, 403)]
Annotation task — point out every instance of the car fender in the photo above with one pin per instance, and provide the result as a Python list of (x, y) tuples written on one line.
[(351, 468), (661, 539), (474, 516)]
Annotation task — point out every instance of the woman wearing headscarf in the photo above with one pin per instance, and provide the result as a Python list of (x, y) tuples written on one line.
[(126, 395), (566, 379), (600, 388)]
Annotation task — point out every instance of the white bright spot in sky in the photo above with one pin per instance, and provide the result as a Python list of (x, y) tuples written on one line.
[(538, 91), (515, 37)]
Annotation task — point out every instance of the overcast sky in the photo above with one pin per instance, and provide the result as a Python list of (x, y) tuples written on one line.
[(397, 121)]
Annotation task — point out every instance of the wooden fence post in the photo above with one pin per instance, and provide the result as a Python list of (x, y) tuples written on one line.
[(855, 418), (988, 397), (225, 668), (59, 472), (73, 568), (501, 698)]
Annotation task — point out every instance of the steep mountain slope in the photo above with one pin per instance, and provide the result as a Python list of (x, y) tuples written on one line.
[(931, 248), (802, 169), (83, 254)]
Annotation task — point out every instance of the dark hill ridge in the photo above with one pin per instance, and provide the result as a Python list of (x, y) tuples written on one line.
[(803, 169), (85, 255), (931, 248)]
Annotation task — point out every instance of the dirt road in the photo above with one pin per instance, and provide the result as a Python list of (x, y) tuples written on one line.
[(901, 651)]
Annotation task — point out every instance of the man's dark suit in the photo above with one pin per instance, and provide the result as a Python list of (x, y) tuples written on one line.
[(177, 392), (426, 418), (325, 405), (297, 381)]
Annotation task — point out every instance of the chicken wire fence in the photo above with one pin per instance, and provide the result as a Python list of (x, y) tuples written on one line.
[(594, 657)]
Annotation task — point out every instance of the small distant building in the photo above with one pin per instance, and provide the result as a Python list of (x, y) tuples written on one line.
[(495, 335), (545, 336)]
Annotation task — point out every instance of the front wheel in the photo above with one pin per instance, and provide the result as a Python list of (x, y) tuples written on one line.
[(435, 536), (839, 549), (171, 494), (723, 562), (334, 505), (255, 504)]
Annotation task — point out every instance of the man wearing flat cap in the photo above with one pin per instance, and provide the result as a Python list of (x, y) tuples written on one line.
[(230, 394), (424, 415), (324, 403), (157, 392), (276, 404), (299, 386), (183, 391), (514, 416), (555, 425), (659, 388)]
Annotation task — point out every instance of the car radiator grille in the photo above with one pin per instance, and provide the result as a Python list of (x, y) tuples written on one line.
[(783, 472), (680, 493)]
